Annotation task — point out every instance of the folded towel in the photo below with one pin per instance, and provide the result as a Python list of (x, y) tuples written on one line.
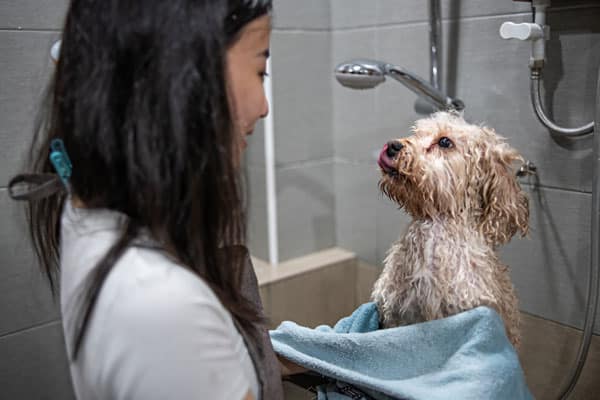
[(465, 356)]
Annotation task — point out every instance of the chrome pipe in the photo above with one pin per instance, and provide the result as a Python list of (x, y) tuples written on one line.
[(423, 89), (435, 55)]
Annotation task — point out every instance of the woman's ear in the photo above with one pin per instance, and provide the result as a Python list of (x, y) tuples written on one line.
[(505, 207)]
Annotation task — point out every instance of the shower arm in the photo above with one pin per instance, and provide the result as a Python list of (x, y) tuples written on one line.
[(423, 88), (434, 48)]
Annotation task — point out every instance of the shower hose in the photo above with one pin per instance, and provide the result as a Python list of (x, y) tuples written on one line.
[(594, 278)]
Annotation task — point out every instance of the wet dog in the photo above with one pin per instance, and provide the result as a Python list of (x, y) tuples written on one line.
[(457, 182)]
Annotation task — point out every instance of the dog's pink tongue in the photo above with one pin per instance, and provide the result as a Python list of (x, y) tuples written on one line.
[(383, 151), (384, 160)]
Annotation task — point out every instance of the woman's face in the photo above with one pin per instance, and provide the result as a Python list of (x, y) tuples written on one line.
[(246, 68)]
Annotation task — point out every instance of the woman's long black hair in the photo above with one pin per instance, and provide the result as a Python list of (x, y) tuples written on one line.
[(139, 99)]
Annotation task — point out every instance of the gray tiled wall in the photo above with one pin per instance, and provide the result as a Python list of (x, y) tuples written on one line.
[(306, 201), (25, 66), (550, 267), (302, 96), (26, 298), (32, 14), (306, 16), (33, 363), (302, 106)]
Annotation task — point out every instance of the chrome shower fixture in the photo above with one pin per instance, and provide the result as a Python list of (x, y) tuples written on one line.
[(366, 74)]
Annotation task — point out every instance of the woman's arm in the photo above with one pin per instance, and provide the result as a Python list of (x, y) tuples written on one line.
[(289, 368)]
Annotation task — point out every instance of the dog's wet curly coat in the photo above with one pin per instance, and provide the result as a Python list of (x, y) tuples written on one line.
[(457, 182)]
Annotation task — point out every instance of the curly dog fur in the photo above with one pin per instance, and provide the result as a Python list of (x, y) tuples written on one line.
[(457, 182)]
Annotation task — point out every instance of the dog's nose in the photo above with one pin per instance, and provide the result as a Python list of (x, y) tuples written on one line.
[(393, 147)]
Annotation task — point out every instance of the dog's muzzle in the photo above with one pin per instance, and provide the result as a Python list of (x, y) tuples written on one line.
[(387, 156)]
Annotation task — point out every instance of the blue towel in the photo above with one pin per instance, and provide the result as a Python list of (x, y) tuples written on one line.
[(465, 356)]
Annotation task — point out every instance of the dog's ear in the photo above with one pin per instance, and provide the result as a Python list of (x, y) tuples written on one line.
[(505, 207)]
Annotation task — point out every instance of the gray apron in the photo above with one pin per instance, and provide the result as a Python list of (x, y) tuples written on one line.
[(261, 351)]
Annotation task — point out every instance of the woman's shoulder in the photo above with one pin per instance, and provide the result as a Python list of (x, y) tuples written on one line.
[(145, 288), (144, 271)]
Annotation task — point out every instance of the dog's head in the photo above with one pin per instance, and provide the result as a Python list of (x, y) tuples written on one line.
[(451, 169)]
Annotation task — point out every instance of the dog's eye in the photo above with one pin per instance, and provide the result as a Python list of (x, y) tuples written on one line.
[(445, 143)]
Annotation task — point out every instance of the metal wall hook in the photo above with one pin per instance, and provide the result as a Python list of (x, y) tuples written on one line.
[(528, 168)]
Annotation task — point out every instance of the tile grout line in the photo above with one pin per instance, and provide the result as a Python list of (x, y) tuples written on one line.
[(559, 189), (561, 324), (345, 161), (395, 24), (305, 163), (38, 30), (412, 23), (295, 164)]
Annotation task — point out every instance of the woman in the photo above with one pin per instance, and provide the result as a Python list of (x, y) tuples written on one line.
[(152, 101)]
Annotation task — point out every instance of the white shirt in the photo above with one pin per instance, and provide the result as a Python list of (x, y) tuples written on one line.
[(157, 331)]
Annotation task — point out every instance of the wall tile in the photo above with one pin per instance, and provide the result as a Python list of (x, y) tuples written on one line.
[(493, 80), (354, 111), (25, 298), (255, 152), (548, 353), (353, 13), (356, 200), (306, 209), (25, 66), (573, 60), (550, 268), (308, 14), (34, 365), (406, 47), (394, 12), (474, 8), (302, 78), (366, 275), (32, 14), (366, 119), (315, 298), (257, 234)]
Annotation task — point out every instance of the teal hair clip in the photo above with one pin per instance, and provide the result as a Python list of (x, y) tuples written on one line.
[(60, 160)]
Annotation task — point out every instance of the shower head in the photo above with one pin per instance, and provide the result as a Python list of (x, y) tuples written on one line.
[(366, 74), (360, 74)]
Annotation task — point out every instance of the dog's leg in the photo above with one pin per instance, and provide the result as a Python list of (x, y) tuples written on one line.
[(509, 306)]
